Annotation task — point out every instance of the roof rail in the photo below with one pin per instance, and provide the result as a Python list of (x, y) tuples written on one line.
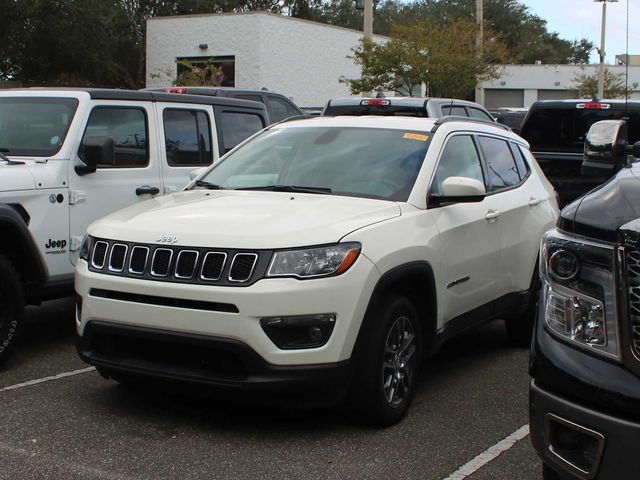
[(460, 118)]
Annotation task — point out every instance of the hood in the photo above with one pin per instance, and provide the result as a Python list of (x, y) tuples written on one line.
[(244, 219), (16, 177), (601, 212)]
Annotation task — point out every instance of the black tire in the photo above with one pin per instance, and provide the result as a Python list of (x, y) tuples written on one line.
[(11, 307), (388, 363), (549, 474), (519, 329)]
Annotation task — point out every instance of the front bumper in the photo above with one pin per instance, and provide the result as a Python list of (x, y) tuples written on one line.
[(231, 313)]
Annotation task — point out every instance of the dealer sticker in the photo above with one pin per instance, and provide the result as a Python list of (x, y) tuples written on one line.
[(416, 136)]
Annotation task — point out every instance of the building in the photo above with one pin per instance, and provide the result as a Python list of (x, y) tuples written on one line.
[(301, 59), (521, 85)]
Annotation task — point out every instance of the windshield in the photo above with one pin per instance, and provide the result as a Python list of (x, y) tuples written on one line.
[(364, 162), (34, 126), (565, 129)]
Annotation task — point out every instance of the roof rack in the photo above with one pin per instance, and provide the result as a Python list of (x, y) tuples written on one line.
[(460, 118)]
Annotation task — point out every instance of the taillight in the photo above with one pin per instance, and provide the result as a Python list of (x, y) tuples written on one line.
[(176, 90), (375, 102), (593, 106)]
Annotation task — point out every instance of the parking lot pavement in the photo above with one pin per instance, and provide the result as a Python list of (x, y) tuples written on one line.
[(471, 396)]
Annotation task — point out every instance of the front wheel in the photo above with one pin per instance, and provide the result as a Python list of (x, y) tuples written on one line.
[(11, 307), (388, 363)]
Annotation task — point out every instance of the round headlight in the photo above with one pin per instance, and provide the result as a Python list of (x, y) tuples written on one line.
[(563, 265)]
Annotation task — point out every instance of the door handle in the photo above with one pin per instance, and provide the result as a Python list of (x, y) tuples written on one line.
[(533, 201), (492, 215), (147, 190)]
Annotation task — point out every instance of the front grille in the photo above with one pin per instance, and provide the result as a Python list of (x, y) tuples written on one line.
[(633, 272), (179, 264)]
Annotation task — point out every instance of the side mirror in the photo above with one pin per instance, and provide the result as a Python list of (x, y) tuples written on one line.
[(96, 151), (195, 173), (460, 190), (605, 148)]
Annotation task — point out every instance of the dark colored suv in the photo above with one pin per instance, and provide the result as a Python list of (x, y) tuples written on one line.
[(407, 107), (278, 106), (584, 399), (556, 129)]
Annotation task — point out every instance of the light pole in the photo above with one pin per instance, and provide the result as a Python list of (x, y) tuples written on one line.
[(367, 28), (601, 49), (479, 41)]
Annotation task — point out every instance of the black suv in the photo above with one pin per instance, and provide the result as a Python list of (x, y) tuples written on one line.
[(584, 399), (278, 106), (407, 107), (556, 129)]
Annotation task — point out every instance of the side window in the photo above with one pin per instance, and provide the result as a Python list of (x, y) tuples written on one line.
[(454, 110), (281, 109), (521, 162), (128, 128), (255, 98), (187, 135), (459, 159), (501, 166), (237, 127), (477, 113)]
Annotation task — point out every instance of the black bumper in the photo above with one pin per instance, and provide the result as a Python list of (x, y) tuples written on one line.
[(120, 350)]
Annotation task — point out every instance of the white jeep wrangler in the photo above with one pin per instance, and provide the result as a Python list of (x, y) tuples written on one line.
[(329, 254), (69, 157)]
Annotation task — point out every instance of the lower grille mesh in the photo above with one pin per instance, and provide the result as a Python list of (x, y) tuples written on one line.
[(633, 268)]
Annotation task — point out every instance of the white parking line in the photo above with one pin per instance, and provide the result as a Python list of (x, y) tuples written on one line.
[(489, 454), (47, 379)]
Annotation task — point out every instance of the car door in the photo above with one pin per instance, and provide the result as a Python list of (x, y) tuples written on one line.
[(186, 141), (469, 235), (133, 175), (524, 210), (235, 125)]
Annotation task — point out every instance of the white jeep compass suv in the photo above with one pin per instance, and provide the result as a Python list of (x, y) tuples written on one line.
[(328, 253)]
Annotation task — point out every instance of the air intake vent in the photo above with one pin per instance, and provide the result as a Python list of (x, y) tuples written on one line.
[(161, 262), (242, 267), (633, 266), (116, 260), (138, 260), (99, 254), (213, 265), (186, 263)]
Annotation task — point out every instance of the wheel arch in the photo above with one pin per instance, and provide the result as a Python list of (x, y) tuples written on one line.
[(17, 243)]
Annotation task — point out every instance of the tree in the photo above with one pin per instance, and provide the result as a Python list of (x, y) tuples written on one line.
[(207, 75), (614, 85), (445, 57)]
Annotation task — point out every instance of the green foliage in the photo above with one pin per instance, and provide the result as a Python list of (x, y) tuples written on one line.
[(443, 56), (614, 85), (207, 75)]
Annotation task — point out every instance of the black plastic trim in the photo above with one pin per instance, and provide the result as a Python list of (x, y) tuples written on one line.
[(163, 301)]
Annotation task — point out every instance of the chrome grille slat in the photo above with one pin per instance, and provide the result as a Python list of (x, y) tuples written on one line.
[(242, 267), (117, 257), (186, 263), (99, 256), (160, 263), (633, 275), (138, 259), (212, 266)]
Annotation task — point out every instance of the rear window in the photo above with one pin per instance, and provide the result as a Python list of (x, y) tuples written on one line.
[(385, 110), (564, 129)]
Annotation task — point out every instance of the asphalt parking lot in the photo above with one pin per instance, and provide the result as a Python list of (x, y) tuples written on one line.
[(466, 422)]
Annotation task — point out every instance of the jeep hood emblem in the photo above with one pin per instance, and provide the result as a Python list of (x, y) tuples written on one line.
[(168, 239)]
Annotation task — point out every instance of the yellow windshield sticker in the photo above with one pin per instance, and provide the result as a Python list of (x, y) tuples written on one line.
[(416, 136)]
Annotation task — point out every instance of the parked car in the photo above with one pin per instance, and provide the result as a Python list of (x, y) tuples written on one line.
[(326, 254), (556, 131), (406, 106), (72, 156), (510, 116), (278, 106), (585, 358)]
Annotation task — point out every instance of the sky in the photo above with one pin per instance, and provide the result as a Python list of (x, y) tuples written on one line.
[(582, 18)]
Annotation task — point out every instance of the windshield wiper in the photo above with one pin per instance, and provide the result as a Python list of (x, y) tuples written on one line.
[(4, 158), (289, 188), (207, 185)]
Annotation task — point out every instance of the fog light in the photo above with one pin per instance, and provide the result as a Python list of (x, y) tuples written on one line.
[(577, 446), (299, 331)]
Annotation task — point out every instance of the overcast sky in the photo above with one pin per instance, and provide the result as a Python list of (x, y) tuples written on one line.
[(581, 19)]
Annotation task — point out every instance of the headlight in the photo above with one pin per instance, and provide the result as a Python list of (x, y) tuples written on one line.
[(85, 247), (578, 292), (314, 262)]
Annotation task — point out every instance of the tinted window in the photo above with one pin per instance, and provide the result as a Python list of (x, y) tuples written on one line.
[(33, 126), (477, 113), (521, 163), (363, 162), (459, 159), (384, 110), (127, 127), (237, 127), (187, 136), (255, 98), (281, 109), (453, 110), (501, 166)]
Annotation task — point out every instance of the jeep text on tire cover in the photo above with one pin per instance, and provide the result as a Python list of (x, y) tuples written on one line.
[(69, 157), (328, 254)]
